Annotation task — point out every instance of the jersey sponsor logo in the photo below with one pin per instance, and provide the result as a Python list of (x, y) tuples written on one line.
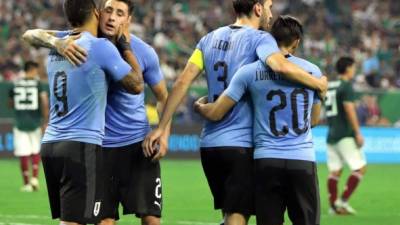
[(96, 209)]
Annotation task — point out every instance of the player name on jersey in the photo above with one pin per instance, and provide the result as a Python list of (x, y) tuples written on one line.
[(222, 45), (267, 75)]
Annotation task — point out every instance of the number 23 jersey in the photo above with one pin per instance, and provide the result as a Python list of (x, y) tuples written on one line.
[(27, 105), (78, 95), (223, 52), (282, 121)]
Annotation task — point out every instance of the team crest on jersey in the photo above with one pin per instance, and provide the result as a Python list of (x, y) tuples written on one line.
[(96, 209)]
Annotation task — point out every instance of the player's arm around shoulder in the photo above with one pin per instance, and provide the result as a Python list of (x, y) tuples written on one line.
[(53, 39)]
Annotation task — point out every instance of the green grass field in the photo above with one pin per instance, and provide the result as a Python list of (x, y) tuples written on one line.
[(187, 200)]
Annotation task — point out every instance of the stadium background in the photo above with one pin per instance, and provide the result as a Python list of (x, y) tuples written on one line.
[(367, 30)]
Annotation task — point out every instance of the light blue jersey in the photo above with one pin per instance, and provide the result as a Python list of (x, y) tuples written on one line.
[(126, 119), (225, 50), (78, 95), (282, 121)]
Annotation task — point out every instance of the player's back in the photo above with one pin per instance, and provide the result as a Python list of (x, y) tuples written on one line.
[(282, 123), (225, 50), (339, 92), (26, 98), (77, 95)]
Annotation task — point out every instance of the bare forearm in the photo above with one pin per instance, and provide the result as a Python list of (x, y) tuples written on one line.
[(175, 98), (315, 114), (40, 38), (134, 81), (160, 108), (351, 116), (208, 112)]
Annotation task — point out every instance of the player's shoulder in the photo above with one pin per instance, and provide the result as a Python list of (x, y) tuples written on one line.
[(142, 47), (306, 65)]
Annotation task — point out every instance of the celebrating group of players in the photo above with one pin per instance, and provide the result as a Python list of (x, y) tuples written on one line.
[(256, 146)]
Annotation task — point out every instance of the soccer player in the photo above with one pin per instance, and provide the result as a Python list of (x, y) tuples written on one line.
[(344, 137), (135, 177), (226, 146), (71, 146), (285, 168), (30, 102)]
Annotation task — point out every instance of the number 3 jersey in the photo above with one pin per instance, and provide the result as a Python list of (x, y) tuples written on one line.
[(27, 105), (223, 52), (78, 95), (282, 110)]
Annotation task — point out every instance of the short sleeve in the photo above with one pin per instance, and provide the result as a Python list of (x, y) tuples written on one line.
[(266, 46), (152, 74), (238, 86), (108, 57)]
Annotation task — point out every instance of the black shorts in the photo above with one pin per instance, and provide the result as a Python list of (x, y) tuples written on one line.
[(291, 184), (132, 180), (229, 172), (73, 172)]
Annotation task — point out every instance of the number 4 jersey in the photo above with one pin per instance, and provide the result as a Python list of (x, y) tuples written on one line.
[(27, 109), (78, 95), (282, 121), (221, 53)]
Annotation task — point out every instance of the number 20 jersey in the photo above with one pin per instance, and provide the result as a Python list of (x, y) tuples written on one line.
[(282, 110), (78, 95), (224, 51)]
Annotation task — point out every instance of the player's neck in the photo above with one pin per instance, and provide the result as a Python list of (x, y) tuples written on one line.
[(91, 26), (344, 77), (246, 21), (286, 50)]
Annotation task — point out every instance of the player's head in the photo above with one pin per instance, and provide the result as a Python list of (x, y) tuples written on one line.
[(80, 12), (31, 68), (287, 32), (114, 14), (346, 66), (258, 8)]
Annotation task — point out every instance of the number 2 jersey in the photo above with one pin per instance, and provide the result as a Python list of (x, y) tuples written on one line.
[(221, 53), (282, 121), (78, 95), (27, 105)]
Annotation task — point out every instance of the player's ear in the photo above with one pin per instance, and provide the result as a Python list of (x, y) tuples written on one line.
[(97, 13), (258, 9)]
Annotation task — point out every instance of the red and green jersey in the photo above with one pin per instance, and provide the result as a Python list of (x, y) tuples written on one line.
[(25, 94), (339, 92)]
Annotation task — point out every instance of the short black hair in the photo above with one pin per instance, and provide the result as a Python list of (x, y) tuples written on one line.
[(79, 11), (286, 29), (343, 63), (245, 7), (130, 4), (29, 65)]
